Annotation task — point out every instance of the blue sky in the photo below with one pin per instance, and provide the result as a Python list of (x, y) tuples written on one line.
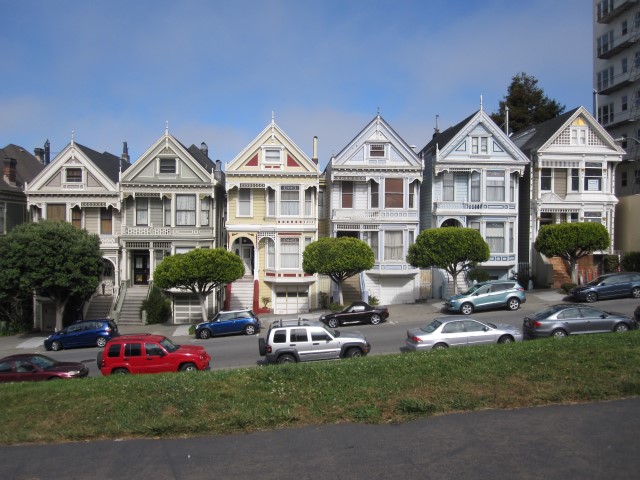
[(116, 70)]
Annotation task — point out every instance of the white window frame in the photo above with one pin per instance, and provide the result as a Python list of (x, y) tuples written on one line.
[(550, 189), (167, 171), (290, 253), (244, 203), (184, 212), (289, 207), (142, 205), (272, 155), (393, 246), (74, 182), (493, 185), (495, 237)]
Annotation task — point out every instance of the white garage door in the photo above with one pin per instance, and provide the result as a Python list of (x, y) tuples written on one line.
[(292, 299), (186, 309), (396, 290)]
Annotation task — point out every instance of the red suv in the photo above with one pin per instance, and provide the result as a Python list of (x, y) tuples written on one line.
[(148, 353)]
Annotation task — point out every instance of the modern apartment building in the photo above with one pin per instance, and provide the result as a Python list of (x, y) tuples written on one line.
[(616, 87)]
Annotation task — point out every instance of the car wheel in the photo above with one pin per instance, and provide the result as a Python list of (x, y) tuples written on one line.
[(591, 297), (262, 347), (101, 342), (119, 371), (513, 304), (505, 339), (440, 346), (559, 333), (204, 334), (635, 292), (621, 327), (188, 367), (250, 330), (56, 345), (286, 358), (375, 319), (353, 353), (333, 323), (466, 309)]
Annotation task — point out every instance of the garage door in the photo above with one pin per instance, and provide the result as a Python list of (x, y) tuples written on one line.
[(186, 309), (292, 299), (396, 290)]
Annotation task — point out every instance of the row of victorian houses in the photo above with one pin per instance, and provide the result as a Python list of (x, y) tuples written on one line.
[(272, 200)]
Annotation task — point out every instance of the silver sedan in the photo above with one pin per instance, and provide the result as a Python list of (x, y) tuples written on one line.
[(447, 332)]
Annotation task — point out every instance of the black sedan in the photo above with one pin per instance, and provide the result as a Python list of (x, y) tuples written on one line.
[(562, 320), (29, 367), (357, 312)]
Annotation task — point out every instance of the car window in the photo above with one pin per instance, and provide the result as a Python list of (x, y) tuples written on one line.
[(358, 308), (168, 345), (499, 287), (453, 327), (280, 336), (114, 350), (483, 289), (473, 326), (73, 328), (42, 362), (152, 350), (570, 313), (133, 350), (319, 336), (5, 367), (224, 317), (299, 335), (431, 327), (24, 367), (591, 313), (244, 315), (635, 278)]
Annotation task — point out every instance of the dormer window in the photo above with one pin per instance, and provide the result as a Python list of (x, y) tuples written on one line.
[(479, 145), (272, 156), (167, 165), (74, 175), (376, 150)]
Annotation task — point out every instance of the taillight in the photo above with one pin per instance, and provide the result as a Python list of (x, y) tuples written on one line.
[(415, 339), (521, 289), (269, 349), (108, 329)]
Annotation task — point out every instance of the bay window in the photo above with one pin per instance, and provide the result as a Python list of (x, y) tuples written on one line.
[(393, 246), (347, 194), (475, 186), (495, 237), (393, 193), (447, 187), (185, 210), (290, 200), (106, 221), (495, 185), (244, 202), (593, 177), (205, 211), (271, 253), (271, 202), (290, 252), (375, 188), (308, 202), (142, 211)]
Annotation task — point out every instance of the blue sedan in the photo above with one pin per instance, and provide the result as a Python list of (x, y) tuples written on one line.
[(229, 322)]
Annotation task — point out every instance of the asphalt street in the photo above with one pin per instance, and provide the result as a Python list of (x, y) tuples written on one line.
[(585, 441)]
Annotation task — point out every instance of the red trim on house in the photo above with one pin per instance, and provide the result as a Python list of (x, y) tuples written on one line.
[(292, 162), (253, 162), (227, 297), (256, 292)]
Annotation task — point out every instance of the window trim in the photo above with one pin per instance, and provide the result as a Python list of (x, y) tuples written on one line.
[(163, 170), (72, 179)]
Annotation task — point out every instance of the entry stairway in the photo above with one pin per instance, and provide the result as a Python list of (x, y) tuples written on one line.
[(99, 307), (130, 309), (241, 293)]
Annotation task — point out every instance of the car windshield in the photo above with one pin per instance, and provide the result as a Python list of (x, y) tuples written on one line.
[(546, 312), (472, 289), (333, 333), (597, 281), (431, 327), (168, 345), (42, 362)]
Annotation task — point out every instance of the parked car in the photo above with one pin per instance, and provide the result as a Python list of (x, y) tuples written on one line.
[(148, 353), (357, 312), (85, 333), (612, 285), (570, 319), (228, 322), (487, 295), (301, 340), (459, 331), (29, 367)]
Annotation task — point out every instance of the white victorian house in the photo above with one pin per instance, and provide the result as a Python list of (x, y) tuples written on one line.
[(571, 178), (373, 188), (472, 177)]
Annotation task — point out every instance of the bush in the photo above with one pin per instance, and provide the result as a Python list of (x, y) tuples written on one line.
[(567, 286), (324, 300), (373, 300), (336, 307), (478, 274), (631, 262), (610, 263), (157, 306)]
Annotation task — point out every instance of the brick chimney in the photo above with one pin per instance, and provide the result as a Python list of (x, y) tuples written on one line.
[(9, 171)]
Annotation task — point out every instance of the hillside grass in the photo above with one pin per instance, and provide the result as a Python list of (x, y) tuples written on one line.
[(374, 389)]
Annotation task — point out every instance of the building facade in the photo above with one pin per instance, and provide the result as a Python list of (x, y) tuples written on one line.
[(472, 178), (570, 178), (272, 214), (373, 189)]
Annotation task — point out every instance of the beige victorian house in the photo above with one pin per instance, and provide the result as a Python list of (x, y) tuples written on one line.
[(272, 214)]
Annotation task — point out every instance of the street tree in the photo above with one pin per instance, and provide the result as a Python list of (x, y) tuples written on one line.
[(54, 259), (572, 241), (528, 104), (453, 249), (200, 271), (338, 258)]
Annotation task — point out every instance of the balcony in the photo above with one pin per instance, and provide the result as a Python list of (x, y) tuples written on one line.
[(473, 207), (616, 83), (174, 232), (622, 43), (374, 215), (609, 10), (109, 241)]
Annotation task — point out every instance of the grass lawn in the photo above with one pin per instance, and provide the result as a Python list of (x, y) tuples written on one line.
[(375, 389)]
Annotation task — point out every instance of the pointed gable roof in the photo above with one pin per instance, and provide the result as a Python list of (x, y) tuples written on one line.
[(108, 163), (540, 136), (443, 138), (377, 131)]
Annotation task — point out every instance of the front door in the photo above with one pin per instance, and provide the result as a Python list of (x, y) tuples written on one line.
[(245, 254), (141, 268)]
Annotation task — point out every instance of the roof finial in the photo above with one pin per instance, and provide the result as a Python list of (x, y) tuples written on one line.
[(480, 102), (166, 127), (72, 137), (273, 116)]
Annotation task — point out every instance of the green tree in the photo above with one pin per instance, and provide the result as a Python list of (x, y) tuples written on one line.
[(528, 104), (200, 271), (56, 259), (338, 258), (157, 306), (453, 249), (572, 241)]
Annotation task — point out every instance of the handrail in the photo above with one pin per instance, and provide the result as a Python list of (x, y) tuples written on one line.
[(122, 290)]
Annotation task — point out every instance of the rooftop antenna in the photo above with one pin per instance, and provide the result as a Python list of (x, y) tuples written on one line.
[(506, 121)]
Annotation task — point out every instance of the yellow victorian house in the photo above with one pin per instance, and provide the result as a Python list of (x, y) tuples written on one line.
[(272, 214)]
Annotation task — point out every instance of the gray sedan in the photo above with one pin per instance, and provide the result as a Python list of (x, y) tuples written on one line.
[(562, 320), (447, 332)]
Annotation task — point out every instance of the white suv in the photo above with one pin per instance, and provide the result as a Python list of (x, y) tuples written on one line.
[(305, 340)]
